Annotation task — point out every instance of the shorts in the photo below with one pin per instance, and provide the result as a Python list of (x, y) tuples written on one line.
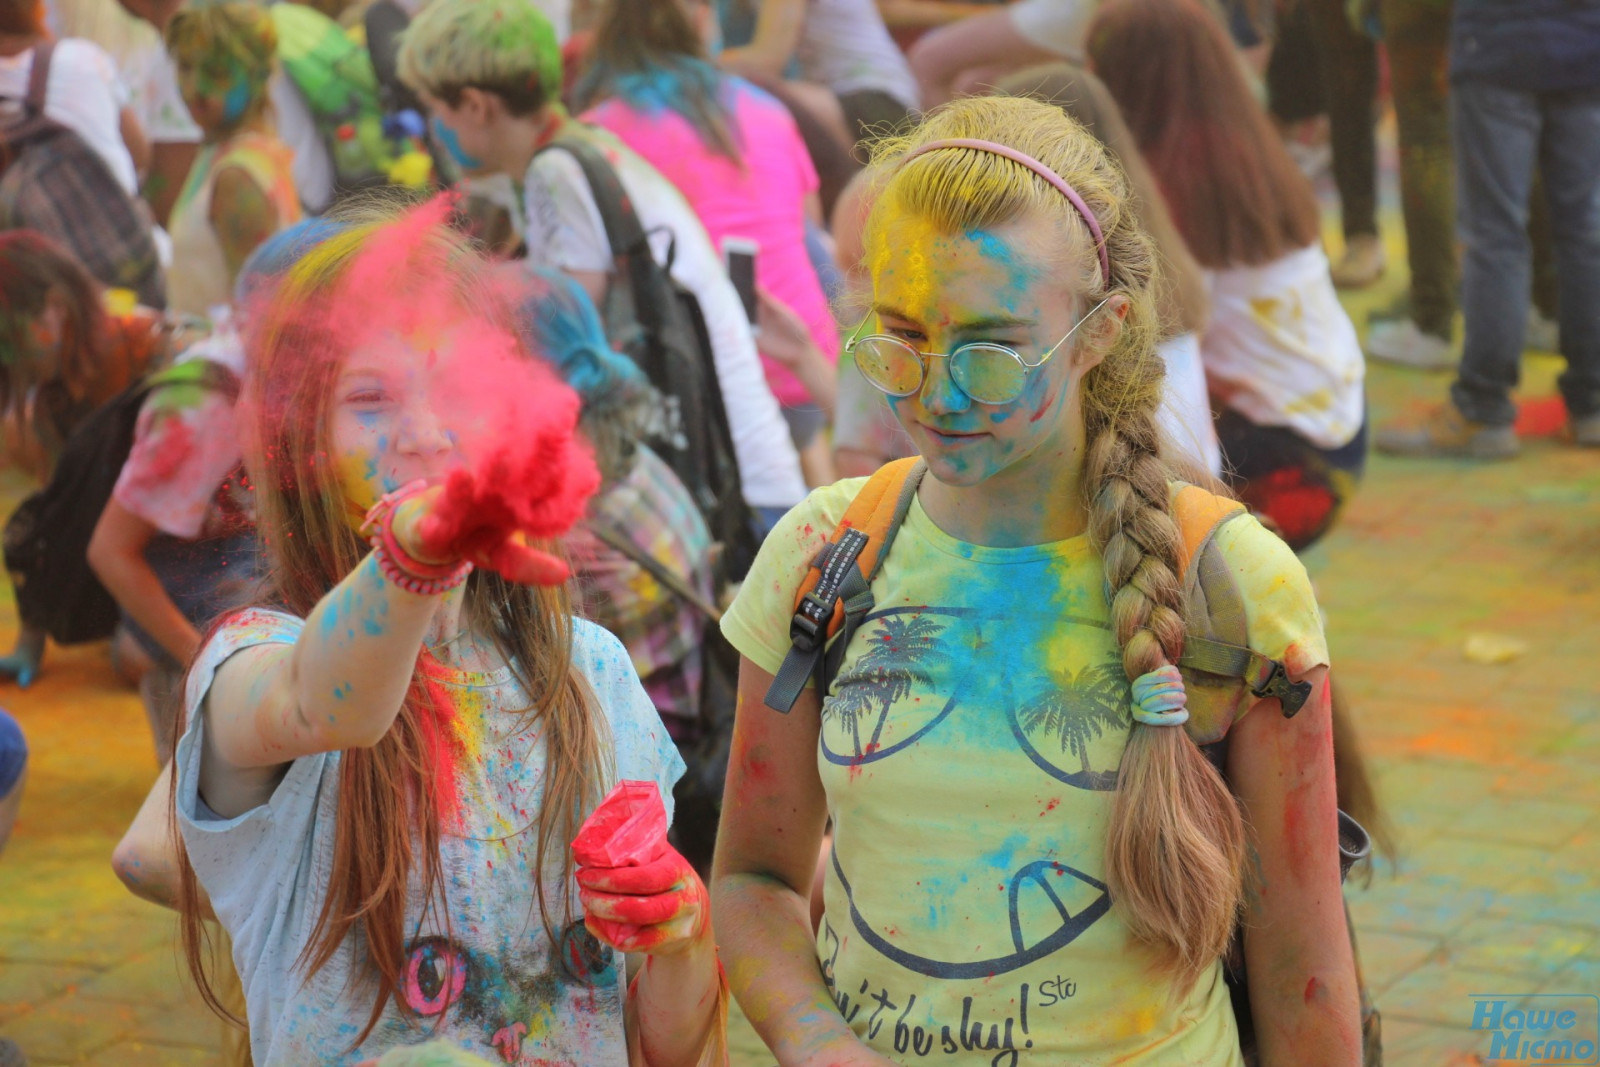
[(1058, 26), (1281, 475), (13, 753), (805, 422)]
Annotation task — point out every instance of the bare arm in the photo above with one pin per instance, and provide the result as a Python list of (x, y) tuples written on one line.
[(786, 338), (241, 215), (926, 14), (1297, 948), (778, 27), (133, 136), (339, 686), (116, 554), (146, 859), (767, 847)]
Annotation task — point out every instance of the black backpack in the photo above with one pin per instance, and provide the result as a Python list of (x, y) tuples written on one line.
[(54, 183), (47, 537), (657, 323)]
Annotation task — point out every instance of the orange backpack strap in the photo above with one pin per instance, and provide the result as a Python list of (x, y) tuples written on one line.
[(1215, 643), (836, 593)]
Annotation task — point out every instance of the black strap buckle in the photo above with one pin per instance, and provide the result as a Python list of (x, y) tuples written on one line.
[(1292, 695), (808, 628)]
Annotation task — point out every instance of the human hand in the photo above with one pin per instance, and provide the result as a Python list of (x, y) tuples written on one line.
[(784, 335), (534, 487), (660, 907)]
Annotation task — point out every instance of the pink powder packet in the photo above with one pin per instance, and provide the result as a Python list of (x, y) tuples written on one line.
[(628, 829)]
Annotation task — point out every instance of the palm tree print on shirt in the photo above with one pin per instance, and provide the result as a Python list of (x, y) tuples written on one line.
[(901, 654), (1079, 708)]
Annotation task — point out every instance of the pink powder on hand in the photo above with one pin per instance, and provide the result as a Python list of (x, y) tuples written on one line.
[(628, 829)]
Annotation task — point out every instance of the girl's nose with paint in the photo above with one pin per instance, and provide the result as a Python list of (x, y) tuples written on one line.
[(423, 432), (940, 393)]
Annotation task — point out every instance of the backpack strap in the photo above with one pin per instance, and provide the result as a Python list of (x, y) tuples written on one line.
[(836, 594), (670, 579), (623, 229), (39, 77), (1200, 515)]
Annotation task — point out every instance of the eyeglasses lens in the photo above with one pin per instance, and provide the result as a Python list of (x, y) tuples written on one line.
[(889, 365), (988, 374)]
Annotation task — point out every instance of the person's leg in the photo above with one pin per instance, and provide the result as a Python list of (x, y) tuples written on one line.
[(1496, 133), (1347, 61), (941, 56), (1417, 37), (1570, 159), (13, 773)]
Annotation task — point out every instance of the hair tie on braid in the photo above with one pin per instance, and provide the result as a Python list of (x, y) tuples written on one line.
[(1159, 698)]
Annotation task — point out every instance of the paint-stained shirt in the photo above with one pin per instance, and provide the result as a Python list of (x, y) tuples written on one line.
[(969, 750), (480, 972), (1280, 348)]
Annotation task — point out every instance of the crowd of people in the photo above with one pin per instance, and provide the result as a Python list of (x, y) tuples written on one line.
[(440, 406)]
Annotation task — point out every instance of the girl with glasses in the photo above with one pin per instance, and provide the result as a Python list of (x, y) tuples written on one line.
[(1029, 862)]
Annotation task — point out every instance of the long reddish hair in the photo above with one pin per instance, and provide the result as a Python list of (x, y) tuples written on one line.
[(390, 808), (1236, 196)]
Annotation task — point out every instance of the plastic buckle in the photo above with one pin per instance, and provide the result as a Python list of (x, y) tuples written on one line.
[(807, 628), (1292, 695)]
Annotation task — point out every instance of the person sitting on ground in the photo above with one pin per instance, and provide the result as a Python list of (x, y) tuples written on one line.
[(488, 71), (1281, 356), (241, 189), (736, 155), (63, 353)]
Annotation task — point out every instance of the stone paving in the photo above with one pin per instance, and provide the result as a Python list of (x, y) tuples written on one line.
[(1488, 770)]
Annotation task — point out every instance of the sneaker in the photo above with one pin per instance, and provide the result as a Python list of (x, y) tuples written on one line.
[(1399, 341), (1586, 431), (1363, 262), (1447, 432), (11, 1055), (1543, 335)]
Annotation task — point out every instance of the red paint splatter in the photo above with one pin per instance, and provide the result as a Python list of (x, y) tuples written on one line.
[(1311, 990), (1049, 399), (436, 723), (1048, 808), (1300, 509)]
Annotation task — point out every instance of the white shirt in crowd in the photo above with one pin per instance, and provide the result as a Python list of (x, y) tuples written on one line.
[(1281, 351), (297, 129), (83, 94), (564, 230), (845, 46), (142, 63)]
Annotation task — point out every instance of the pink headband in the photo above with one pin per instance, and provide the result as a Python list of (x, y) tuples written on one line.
[(1042, 171)]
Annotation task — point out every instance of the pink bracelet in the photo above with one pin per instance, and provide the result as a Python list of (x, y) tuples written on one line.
[(396, 564)]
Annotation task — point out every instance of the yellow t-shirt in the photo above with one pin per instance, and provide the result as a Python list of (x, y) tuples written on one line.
[(969, 750)]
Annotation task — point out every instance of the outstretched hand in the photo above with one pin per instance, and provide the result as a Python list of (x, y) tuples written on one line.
[(534, 488)]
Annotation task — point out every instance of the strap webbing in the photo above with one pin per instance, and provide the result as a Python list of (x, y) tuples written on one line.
[(809, 629), (1265, 677)]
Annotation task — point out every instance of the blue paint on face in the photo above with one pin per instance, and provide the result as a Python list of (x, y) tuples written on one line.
[(446, 137), (1021, 273)]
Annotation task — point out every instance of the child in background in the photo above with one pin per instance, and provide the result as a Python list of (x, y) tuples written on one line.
[(736, 155), (176, 543), (241, 189), (489, 72), (63, 354), (1034, 582), (383, 763), (1280, 354)]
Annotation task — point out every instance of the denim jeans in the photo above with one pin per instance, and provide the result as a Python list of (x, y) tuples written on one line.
[(1501, 135)]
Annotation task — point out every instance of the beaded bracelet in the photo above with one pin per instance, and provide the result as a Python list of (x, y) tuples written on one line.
[(395, 563)]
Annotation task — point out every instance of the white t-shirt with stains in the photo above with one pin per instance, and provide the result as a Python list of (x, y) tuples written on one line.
[(490, 980)]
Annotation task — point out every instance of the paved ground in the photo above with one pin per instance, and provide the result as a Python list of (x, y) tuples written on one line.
[(1489, 770)]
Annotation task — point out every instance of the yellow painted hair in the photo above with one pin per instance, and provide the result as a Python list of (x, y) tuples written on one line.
[(1176, 842)]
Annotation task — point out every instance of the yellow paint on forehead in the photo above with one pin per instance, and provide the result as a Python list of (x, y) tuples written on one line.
[(913, 269)]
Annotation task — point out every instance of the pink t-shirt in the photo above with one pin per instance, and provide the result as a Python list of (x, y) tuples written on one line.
[(762, 199)]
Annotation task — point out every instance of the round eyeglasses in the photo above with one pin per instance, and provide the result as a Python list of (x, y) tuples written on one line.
[(987, 372)]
